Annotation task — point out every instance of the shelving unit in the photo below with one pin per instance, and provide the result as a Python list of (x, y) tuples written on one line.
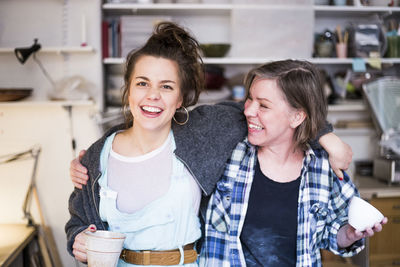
[(339, 13), (328, 17)]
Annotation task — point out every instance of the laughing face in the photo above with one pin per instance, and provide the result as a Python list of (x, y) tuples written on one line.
[(154, 93), (269, 115)]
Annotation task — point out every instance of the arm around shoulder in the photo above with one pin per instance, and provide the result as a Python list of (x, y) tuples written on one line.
[(224, 120)]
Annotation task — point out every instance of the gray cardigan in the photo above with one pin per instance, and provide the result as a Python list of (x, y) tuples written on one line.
[(203, 144)]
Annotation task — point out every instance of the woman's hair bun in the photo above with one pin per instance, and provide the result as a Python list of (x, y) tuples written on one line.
[(171, 41), (174, 36)]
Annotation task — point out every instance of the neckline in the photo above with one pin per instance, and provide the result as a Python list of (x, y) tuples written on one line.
[(276, 183), (144, 156), (138, 213)]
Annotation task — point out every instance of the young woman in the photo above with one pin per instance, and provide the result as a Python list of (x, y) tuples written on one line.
[(137, 184), (279, 202), (145, 178)]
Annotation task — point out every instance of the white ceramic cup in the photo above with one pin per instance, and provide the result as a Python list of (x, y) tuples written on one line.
[(102, 259), (362, 214), (103, 248)]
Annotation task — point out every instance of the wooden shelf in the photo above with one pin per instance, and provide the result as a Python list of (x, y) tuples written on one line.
[(228, 7), (256, 61), (129, 8), (29, 102), (167, 9), (346, 106), (56, 49), (113, 60), (355, 9), (132, 6), (197, 7), (350, 60)]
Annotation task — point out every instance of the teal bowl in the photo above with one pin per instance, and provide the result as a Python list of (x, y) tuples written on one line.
[(215, 50)]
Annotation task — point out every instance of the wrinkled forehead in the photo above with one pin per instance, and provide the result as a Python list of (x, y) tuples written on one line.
[(263, 85), (267, 88)]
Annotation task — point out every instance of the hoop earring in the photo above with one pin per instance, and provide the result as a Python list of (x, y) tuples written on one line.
[(187, 117)]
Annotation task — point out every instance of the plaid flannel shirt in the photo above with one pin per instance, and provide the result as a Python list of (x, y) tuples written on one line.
[(322, 210)]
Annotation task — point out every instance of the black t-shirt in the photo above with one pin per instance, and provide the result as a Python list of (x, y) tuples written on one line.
[(270, 228)]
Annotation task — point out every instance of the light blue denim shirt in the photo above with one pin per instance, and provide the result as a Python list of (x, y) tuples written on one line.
[(168, 222)]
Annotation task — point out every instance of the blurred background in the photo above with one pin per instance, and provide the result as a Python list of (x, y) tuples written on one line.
[(61, 73)]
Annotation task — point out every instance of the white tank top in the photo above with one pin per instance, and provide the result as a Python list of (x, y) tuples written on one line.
[(140, 180)]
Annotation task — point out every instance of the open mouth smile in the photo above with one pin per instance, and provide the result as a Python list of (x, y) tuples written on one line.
[(151, 110), (253, 126)]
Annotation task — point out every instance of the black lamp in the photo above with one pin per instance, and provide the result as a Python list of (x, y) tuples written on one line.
[(23, 53), (31, 153)]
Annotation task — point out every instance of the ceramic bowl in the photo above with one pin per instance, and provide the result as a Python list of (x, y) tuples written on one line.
[(104, 241), (363, 215), (215, 50)]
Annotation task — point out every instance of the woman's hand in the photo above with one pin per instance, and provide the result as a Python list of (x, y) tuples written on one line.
[(78, 172), (79, 246), (340, 153), (347, 235)]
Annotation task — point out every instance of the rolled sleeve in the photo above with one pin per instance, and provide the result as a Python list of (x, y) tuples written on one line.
[(350, 251), (339, 216)]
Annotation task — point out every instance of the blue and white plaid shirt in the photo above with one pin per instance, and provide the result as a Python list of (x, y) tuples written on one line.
[(322, 210)]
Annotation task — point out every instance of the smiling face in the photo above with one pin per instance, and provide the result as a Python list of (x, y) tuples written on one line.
[(154, 93), (270, 118)]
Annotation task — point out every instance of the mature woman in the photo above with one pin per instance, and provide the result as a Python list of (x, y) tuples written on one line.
[(279, 201)]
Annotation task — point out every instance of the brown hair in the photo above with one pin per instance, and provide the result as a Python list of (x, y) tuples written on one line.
[(169, 41), (300, 82)]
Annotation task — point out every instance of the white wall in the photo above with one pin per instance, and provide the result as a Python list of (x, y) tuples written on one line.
[(21, 127), (55, 23)]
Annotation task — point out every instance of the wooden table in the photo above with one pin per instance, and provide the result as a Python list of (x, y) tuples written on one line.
[(13, 239)]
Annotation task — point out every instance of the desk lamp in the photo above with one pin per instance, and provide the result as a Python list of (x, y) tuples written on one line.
[(32, 153), (23, 53), (48, 250)]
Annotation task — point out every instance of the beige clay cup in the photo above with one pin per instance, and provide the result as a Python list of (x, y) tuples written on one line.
[(103, 248), (341, 50), (363, 215)]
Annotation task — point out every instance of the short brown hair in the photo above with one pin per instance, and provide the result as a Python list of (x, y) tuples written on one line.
[(300, 82), (170, 41)]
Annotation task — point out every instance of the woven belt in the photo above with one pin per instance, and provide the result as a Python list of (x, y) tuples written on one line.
[(159, 257)]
